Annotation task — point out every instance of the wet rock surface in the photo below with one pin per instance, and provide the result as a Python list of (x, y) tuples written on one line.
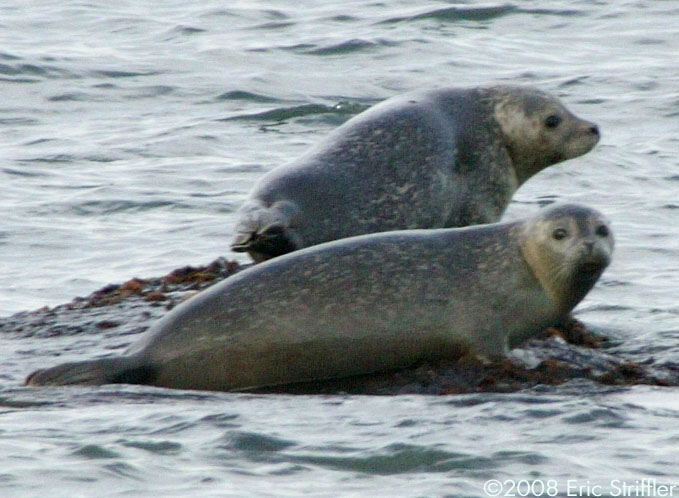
[(548, 360), (559, 355)]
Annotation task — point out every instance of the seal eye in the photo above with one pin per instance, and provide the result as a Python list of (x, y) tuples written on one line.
[(552, 121), (559, 234), (602, 231)]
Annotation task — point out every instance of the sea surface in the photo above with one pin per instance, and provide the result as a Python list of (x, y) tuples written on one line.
[(130, 132)]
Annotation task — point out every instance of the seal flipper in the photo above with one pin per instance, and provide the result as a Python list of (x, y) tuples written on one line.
[(118, 370), (265, 231)]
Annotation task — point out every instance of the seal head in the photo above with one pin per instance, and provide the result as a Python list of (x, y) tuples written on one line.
[(568, 247), (538, 130)]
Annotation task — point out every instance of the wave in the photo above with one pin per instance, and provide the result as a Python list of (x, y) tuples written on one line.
[(482, 13), (285, 113)]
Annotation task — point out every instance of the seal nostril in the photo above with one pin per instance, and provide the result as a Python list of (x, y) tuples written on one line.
[(594, 130)]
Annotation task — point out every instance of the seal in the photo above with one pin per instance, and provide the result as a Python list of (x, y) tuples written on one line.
[(367, 304), (428, 159)]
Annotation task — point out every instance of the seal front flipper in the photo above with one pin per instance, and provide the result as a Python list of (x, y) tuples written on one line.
[(118, 370), (266, 231)]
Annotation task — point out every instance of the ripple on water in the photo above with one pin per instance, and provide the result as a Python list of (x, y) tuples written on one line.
[(599, 417), (522, 457), (29, 73), (221, 420), (155, 447), (451, 14), (183, 31), (95, 452), (349, 47), (253, 443), (286, 113), (246, 96), (396, 459)]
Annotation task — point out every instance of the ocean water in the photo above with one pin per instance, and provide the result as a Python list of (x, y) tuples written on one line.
[(132, 131)]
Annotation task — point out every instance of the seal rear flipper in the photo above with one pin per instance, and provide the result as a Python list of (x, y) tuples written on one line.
[(119, 370), (265, 232)]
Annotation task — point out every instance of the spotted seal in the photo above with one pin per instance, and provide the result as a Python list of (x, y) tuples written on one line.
[(366, 304), (428, 159)]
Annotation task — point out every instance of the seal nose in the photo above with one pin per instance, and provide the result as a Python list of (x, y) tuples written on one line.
[(594, 130)]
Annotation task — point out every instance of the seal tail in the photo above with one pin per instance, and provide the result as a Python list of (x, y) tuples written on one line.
[(120, 370), (264, 231)]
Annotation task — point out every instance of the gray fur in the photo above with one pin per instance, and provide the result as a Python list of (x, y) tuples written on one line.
[(430, 159), (354, 306)]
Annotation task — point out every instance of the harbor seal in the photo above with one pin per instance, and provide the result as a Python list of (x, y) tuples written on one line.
[(367, 304), (428, 159)]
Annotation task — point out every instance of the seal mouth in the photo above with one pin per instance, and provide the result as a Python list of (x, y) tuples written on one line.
[(591, 268), (589, 272), (583, 279)]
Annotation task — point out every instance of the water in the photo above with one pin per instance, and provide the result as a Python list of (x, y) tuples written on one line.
[(132, 131)]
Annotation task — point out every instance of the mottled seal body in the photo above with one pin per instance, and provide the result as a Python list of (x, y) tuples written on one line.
[(367, 304), (429, 159)]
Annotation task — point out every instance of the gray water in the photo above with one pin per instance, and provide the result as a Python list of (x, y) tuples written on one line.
[(130, 133)]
